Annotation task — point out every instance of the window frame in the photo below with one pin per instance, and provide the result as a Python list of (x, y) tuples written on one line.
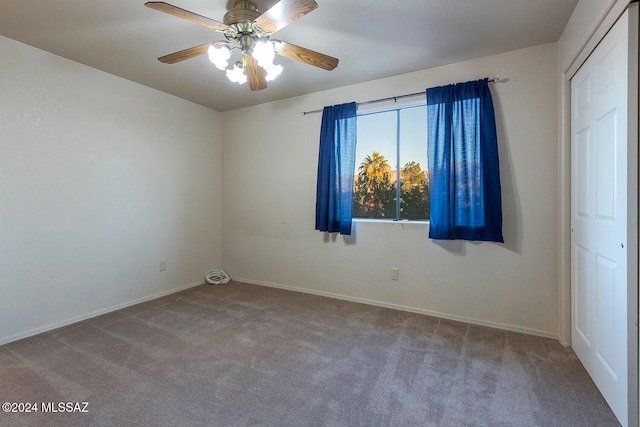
[(395, 105)]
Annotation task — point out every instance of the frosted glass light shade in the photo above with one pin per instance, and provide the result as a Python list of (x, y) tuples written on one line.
[(219, 56), (263, 53), (237, 75), (273, 71)]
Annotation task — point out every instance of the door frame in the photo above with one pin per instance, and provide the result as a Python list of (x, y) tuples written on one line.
[(564, 160)]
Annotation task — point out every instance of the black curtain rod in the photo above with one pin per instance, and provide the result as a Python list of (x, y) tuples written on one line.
[(391, 98)]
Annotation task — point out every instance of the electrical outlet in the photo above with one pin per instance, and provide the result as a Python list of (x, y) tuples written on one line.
[(163, 265), (395, 274)]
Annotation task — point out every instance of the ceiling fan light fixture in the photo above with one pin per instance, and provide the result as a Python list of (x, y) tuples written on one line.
[(237, 75), (273, 71), (219, 56), (264, 53)]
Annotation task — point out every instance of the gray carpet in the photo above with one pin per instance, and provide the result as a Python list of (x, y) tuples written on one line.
[(245, 355)]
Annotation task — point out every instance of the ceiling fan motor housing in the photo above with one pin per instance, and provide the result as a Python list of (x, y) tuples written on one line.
[(242, 29), (243, 11)]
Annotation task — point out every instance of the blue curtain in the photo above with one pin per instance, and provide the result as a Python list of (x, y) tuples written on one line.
[(464, 174), (336, 167)]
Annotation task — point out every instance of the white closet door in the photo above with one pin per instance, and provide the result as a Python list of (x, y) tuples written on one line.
[(599, 276)]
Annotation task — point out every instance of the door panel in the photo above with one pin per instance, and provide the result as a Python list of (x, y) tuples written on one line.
[(606, 322), (582, 320), (606, 143)]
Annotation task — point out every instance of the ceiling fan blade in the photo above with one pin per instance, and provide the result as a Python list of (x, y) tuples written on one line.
[(307, 56), (185, 14), (255, 74), (192, 52), (284, 13)]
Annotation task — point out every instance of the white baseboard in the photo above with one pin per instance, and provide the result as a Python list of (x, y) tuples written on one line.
[(56, 325), (497, 325)]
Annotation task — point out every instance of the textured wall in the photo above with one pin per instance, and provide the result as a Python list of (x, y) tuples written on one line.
[(270, 155), (100, 180)]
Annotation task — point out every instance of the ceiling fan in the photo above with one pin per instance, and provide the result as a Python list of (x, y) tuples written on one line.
[(246, 29)]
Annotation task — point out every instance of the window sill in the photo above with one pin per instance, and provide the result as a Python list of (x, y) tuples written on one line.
[(391, 221)]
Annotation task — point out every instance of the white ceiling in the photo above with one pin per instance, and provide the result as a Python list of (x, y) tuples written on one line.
[(372, 38)]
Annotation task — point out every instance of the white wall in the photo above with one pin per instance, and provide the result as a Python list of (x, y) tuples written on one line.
[(269, 177), (583, 23), (100, 179)]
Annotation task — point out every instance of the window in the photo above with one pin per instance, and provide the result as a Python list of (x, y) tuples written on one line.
[(391, 180)]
